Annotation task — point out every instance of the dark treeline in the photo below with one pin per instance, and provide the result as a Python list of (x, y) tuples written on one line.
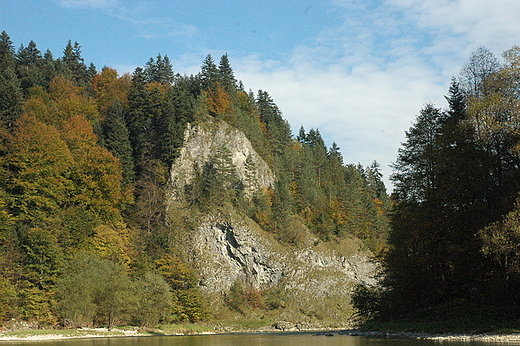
[(454, 246), (84, 163)]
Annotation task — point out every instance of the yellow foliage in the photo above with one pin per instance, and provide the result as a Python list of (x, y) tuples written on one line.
[(108, 88), (113, 242), (68, 101)]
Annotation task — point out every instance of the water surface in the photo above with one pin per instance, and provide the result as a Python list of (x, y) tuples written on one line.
[(281, 339)]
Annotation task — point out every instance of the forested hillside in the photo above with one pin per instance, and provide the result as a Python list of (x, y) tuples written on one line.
[(86, 154), (454, 247)]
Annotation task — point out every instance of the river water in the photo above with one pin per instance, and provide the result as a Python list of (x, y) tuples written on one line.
[(281, 339)]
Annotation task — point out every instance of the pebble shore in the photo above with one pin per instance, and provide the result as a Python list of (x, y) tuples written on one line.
[(103, 333)]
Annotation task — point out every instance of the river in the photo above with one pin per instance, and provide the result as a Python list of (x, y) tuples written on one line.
[(281, 339)]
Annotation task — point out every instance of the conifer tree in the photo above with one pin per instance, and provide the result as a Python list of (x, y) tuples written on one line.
[(159, 70), (11, 97), (227, 77), (117, 140), (138, 119), (75, 64), (7, 57), (209, 74)]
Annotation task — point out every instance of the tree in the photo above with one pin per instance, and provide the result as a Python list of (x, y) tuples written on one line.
[(415, 170), (117, 140), (38, 164), (109, 88), (159, 70), (227, 77), (29, 66), (482, 64), (75, 64), (138, 118), (11, 98), (7, 56), (154, 300), (209, 74), (93, 291)]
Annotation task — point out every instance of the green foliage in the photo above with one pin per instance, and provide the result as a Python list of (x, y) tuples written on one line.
[(117, 140), (154, 300), (84, 168), (93, 291), (8, 298), (454, 220), (367, 301)]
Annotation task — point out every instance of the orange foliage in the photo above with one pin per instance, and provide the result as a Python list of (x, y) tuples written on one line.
[(219, 102), (108, 88), (339, 213)]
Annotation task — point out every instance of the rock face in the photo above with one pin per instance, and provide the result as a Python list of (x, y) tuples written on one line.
[(204, 143), (225, 246), (317, 282)]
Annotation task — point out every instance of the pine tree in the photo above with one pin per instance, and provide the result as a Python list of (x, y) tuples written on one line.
[(117, 140), (138, 119), (75, 64), (227, 77), (209, 75)]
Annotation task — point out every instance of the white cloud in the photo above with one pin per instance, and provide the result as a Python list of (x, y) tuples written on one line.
[(493, 24), (362, 83)]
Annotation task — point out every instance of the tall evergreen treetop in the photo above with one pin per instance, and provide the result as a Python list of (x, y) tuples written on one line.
[(227, 77), (75, 64), (209, 74), (7, 56), (159, 70)]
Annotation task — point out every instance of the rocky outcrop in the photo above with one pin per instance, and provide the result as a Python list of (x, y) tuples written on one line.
[(205, 142), (229, 247), (226, 246)]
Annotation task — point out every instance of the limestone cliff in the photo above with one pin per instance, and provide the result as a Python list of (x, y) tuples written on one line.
[(204, 142), (315, 278)]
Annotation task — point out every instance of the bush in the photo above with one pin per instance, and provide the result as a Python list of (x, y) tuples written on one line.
[(366, 300)]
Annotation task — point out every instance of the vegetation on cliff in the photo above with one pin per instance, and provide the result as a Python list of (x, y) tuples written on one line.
[(85, 237)]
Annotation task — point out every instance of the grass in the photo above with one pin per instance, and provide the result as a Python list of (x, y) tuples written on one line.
[(61, 332), (185, 328)]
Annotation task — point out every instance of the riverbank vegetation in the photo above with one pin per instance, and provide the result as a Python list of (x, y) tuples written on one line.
[(452, 261), (85, 155)]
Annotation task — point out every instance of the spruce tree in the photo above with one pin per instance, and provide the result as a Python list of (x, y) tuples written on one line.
[(138, 120), (117, 140), (29, 66), (227, 77), (11, 97), (209, 75), (75, 64)]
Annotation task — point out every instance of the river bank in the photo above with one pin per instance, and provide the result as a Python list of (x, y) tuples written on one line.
[(506, 337), (51, 334)]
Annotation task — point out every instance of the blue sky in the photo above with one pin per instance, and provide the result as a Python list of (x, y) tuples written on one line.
[(358, 70)]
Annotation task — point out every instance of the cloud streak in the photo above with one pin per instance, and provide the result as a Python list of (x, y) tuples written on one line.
[(90, 4)]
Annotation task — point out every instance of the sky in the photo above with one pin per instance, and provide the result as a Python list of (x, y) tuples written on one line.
[(359, 71)]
